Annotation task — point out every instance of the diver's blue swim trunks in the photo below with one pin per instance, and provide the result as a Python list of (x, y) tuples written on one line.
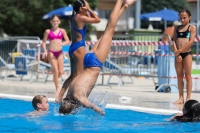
[(90, 60)]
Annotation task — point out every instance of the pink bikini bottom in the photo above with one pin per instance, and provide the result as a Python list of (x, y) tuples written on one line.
[(56, 54)]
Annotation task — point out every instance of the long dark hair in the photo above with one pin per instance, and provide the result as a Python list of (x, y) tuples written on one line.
[(76, 6), (193, 112)]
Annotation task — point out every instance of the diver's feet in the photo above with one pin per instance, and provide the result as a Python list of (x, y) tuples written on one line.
[(179, 101), (129, 2)]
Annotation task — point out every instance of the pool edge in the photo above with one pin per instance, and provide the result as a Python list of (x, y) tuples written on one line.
[(111, 106)]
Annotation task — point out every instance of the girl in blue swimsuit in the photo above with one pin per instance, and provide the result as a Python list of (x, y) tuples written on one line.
[(184, 36), (82, 15), (82, 85)]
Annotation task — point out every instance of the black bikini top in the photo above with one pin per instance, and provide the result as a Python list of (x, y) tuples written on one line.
[(185, 34)]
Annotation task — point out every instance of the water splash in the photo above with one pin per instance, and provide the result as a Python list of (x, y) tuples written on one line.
[(100, 99)]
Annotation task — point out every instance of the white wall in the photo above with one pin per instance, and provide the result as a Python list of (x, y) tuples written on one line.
[(126, 21), (102, 25)]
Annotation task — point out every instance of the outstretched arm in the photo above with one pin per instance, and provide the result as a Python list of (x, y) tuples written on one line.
[(88, 104), (174, 117)]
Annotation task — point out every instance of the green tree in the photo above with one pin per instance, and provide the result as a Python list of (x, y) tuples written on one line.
[(155, 5), (24, 17)]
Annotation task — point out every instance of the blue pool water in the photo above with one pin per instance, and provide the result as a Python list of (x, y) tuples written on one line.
[(13, 119)]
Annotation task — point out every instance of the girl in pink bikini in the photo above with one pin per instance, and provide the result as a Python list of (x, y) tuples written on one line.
[(55, 35)]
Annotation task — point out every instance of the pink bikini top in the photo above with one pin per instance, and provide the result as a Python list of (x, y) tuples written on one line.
[(52, 36)]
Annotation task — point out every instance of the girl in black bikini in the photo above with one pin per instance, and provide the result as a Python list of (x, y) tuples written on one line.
[(184, 36)]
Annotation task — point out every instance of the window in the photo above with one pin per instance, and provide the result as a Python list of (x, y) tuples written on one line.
[(104, 13)]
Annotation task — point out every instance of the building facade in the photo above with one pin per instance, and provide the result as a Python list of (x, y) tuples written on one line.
[(193, 10), (125, 23)]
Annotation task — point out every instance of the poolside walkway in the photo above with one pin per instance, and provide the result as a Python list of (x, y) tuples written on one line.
[(141, 93)]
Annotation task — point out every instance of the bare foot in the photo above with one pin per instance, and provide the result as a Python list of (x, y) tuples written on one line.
[(187, 99), (130, 2), (179, 101)]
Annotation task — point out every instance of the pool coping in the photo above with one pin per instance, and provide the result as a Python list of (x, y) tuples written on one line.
[(110, 106)]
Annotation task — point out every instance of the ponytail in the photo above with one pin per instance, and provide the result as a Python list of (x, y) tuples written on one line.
[(76, 6)]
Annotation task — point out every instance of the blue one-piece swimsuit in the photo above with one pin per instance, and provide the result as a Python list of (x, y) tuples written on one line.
[(80, 43), (90, 59)]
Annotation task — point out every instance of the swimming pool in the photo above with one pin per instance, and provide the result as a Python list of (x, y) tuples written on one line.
[(12, 119)]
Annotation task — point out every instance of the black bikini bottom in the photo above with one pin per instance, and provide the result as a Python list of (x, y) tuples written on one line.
[(183, 55)]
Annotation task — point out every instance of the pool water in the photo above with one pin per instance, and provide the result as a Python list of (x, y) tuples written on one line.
[(13, 119)]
